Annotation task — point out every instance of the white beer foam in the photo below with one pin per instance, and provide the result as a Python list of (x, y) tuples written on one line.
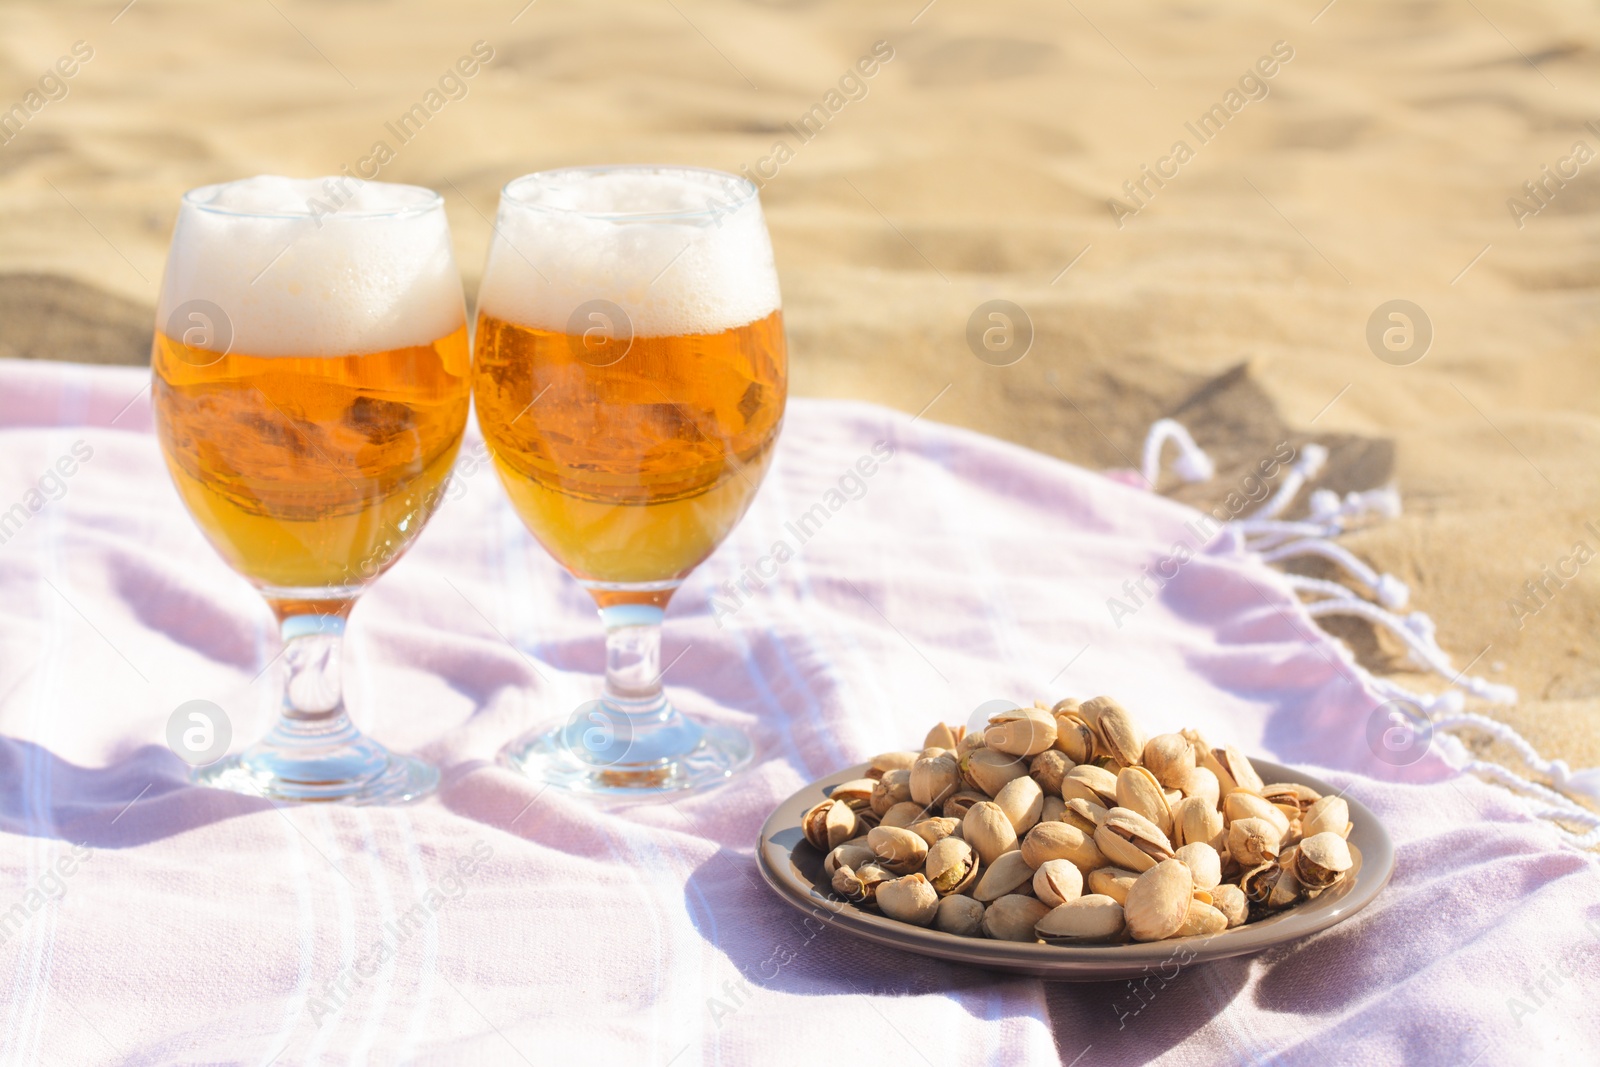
[(682, 251), (314, 267)]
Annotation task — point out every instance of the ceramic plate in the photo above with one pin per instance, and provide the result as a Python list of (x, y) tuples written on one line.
[(793, 868)]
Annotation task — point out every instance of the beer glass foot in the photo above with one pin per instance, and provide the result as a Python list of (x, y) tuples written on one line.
[(329, 762), (600, 750)]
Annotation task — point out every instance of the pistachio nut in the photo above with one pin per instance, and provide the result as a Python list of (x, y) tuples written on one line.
[(1129, 840), (1113, 882), (989, 832), (1084, 814), (1202, 783), (859, 885), (959, 803), (1323, 859), (1057, 881), (1022, 801), (1325, 815), (934, 778), (1159, 901), (1087, 919), (1236, 806), (893, 788), (1138, 790), (849, 854), (1074, 737), (1115, 732), (1196, 820), (909, 899), (1094, 784), (943, 735), (898, 849), (1048, 768), (829, 824), (904, 814), (1231, 901), (951, 866), (1170, 758), (1008, 874), (959, 915), (1253, 841), (1012, 918), (988, 770), (937, 828), (1020, 731), (1203, 862), (1061, 841), (890, 761), (1203, 920)]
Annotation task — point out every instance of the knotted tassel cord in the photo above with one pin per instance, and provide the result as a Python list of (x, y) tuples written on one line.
[(1273, 539)]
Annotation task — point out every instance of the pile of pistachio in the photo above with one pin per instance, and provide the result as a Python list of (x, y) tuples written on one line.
[(1065, 825)]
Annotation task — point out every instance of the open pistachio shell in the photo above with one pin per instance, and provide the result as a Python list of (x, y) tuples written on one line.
[(1231, 901), (1129, 840), (905, 815), (1252, 841), (1196, 820), (1116, 734), (1084, 814), (1325, 815), (943, 735), (960, 802), (1088, 782), (893, 788), (910, 900), (1023, 801), (1057, 881), (936, 829), (1005, 875), (898, 849), (1237, 806), (890, 761), (1021, 731), (1061, 841), (849, 854), (951, 866), (1138, 790), (1322, 860), (1074, 737), (934, 778), (988, 770), (829, 824)]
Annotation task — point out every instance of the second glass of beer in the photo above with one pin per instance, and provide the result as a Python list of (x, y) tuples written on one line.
[(629, 376)]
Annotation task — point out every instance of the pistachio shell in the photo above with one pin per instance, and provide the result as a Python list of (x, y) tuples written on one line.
[(934, 778), (1066, 706), (1322, 860), (1054, 808), (890, 761), (1113, 882), (1022, 801), (1234, 771), (951, 865), (1057, 881), (959, 915), (1203, 862), (1159, 901), (1021, 731), (1129, 840), (989, 832), (970, 742), (1288, 888), (1288, 795), (1048, 768), (1114, 729), (1231, 901), (943, 735), (1170, 758), (829, 824), (1088, 782), (1196, 820), (893, 788), (904, 814), (1087, 919), (1012, 918), (1061, 841), (1325, 815), (898, 849), (1237, 806), (910, 899), (1202, 920), (959, 803), (988, 770), (1253, 841), (857, 792), (1138, 790), (1004, 875)]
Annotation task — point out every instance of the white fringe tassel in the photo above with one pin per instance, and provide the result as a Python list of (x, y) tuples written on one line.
[(1273, 540)]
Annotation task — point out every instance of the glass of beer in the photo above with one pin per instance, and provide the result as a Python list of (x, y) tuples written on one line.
[(310, 386), (630, 373)]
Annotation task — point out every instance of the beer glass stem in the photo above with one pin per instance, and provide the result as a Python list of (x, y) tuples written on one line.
[(633, 654), (313, 647)]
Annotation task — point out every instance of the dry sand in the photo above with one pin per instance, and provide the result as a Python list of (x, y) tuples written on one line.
[(978, 165)]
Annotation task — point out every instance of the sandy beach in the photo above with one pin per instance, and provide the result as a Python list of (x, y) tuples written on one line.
[(1199, 208)]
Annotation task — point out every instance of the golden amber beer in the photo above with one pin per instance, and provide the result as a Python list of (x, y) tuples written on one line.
[(636, 470), (311, 471), (310, 380), (630, 375)]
